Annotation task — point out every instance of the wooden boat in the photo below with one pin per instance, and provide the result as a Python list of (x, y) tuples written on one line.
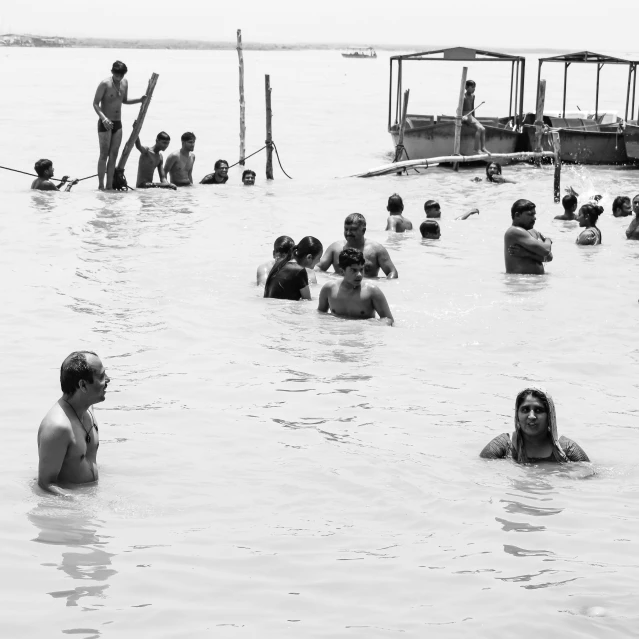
[(427, 136), (631, 138), (360, 53), (585, 140)]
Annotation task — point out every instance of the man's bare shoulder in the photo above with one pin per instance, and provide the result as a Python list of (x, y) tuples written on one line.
[(515, 231), (370, 290), (56, 423), (331, 287), (375, 246), (336, 246)]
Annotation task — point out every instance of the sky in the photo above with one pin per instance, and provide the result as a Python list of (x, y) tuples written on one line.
[(542, 24)]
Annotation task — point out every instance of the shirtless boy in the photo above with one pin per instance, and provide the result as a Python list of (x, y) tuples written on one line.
[(375, 255), (151, 159), (68, 435), (351, 297), (220, 174), (469, 118), (111, 94), (396, 220), (44, 169), (179, 164), (525, 249), (569, 202)]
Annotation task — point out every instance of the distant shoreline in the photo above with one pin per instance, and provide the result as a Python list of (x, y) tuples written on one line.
[(36, 41)]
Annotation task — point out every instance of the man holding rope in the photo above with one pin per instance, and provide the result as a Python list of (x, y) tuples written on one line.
[(111, 94), (44, 169)]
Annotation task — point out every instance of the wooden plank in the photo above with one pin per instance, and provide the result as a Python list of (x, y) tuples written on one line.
[(556, 144), (399, 149), (539, 118), (128, 147), (458, 117), (269, 129), (240, 56)]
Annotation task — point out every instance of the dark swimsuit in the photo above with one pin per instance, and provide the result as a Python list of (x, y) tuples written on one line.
[(117, 125)]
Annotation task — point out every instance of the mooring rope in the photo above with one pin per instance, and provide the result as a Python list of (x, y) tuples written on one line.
[(6, 168), (256, 152)]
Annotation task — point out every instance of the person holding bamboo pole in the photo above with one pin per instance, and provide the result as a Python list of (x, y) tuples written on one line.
[(110, 95), (469, 119)]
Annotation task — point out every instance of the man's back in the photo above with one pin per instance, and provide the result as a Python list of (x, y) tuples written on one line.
[(43, 184), (398, 223)]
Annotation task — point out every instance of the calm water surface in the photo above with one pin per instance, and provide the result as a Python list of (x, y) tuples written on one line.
[(267, 472)]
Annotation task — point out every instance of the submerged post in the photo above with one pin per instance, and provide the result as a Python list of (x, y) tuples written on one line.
[(269, 129), (539, 118), (240, 56), (556, 145), (458, 118), (399, 150)]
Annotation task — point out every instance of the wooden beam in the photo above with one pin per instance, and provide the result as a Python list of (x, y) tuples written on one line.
[(128, 147), (269, 129), (539, 118), (240, 56), (400, 143), (556, 144), (458, 117)]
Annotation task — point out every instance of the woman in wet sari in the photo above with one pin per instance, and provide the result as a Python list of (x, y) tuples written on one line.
[(588, 215), (535, 438)]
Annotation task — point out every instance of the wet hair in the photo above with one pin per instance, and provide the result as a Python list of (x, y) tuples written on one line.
[(187, 136), (429, 227), (247, 172), (619, 201), (520, 206), (635, 197), (536, 394), (592, 212), (350, 256), (355, 218), (219, 163), (431, 204), (42, 166), (395, 204), (470, 83), (498, 170), (569, 201), (163, 135), (288, 251), (119, 67), (74, 369)]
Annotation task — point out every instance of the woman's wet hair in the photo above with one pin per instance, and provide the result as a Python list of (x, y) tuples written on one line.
[(42, 166), (350, 256), (308, 245), (163, 135), (119, 67), (592, 212), (284, 245), (74, 369), (186, 137), (536, 394), (395, 204), (288, 250), (520, 206), (488, 167)]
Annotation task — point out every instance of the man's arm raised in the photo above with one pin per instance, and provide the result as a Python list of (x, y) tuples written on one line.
[(52, 448), (381, 306), (386, 264)]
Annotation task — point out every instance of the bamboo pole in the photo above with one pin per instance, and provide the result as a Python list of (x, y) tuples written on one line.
[(539, 118), (458, 118), (269, 129), (399, 149), (128, 147), (240, 56), (556, 144), (411, 164)]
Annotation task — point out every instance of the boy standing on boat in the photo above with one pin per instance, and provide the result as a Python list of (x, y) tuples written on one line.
[(471, 120)]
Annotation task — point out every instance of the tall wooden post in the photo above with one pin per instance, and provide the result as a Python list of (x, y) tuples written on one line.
[(128, 147), (400, 143), (539, 118), (269, 129), (240, 56), (556, 145), (458, 118)]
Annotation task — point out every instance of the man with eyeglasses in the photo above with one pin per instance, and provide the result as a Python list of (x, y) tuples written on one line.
[(525, 248)]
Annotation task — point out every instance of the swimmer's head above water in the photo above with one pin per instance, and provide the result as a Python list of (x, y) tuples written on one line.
[(248, 177), (621, 206), (430, 230), (589, 214), (82, 372), (395, 204), (492, 169), (569, 202), (354, 227), (283, 245), (432, 209), (351, 261), (44, 168), (524, 214)]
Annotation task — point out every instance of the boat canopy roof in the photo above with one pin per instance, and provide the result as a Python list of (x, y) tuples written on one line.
[(587, 57), (459, 53)]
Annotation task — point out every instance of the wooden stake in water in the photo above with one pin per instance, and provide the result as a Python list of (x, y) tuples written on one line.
[(269, 129), (240, 56), (400, 143), (556, 144), (458, 118), (539, 118)]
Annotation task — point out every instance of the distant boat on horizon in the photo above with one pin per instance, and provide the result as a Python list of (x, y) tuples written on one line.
[(360, 52)]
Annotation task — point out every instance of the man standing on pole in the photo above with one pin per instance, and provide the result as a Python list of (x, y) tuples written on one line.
[(111, 94)]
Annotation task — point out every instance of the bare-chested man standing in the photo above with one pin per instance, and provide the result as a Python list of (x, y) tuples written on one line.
[(525, 248), (151, 159), (179, 164), (112, 93), (375, 255), (68, 435)]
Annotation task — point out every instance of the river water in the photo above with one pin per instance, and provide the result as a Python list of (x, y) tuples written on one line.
[(269, 472)]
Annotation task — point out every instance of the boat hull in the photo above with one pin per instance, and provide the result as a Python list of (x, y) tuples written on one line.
[(582, 147), (438, 140), (631, 138)]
